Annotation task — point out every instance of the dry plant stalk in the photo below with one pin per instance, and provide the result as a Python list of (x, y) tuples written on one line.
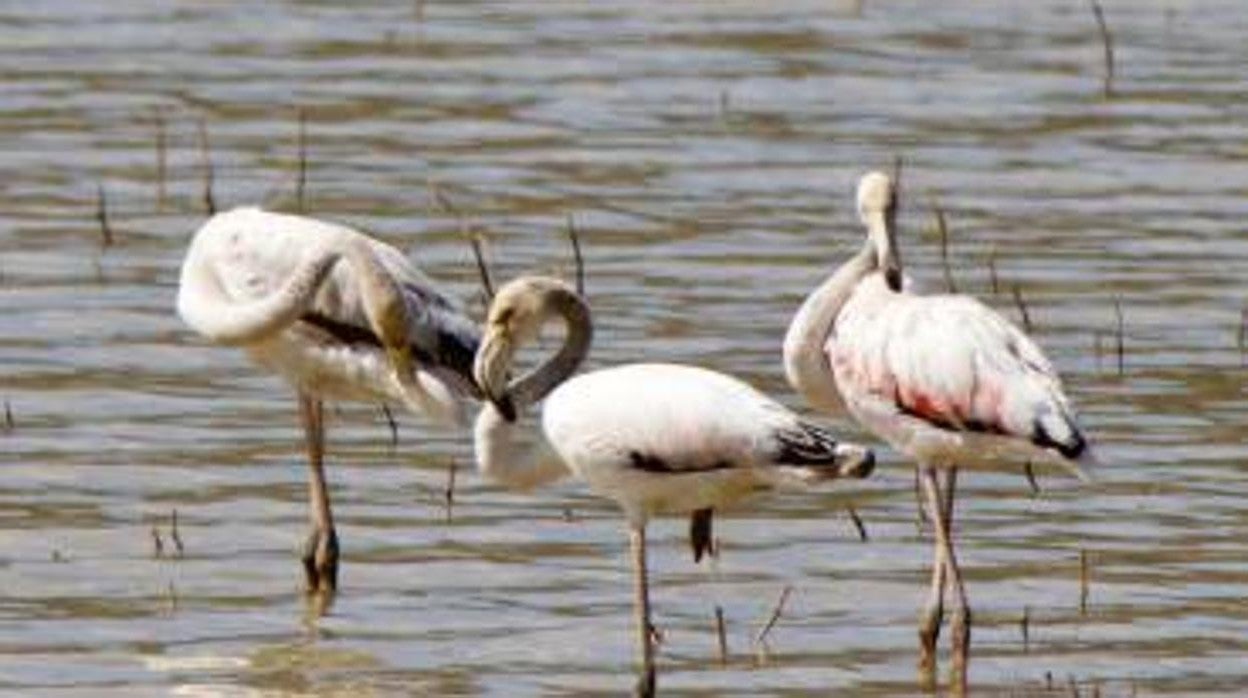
[(394, 426), (992, 271), (1083, 582), (1030, 472), (1107, 41), (1119, 347), (576, 253), (210, 202), (1022, 307), (449, 494), (8, 416), (302, 170), (858, 525), (942, 229), (761, 637), (158, 545), (721, 634), (101, 215), (175, 536), (1025, 626)]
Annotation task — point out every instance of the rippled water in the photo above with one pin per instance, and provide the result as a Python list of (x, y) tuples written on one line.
[(707, 152)]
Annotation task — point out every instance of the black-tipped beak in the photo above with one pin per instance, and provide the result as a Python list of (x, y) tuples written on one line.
[(867, 466), (858, 465), (892, 276), (505, 406)]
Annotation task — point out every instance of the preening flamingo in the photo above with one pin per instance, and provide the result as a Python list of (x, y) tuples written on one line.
[(340, 316), (943, 379), (656, 438)]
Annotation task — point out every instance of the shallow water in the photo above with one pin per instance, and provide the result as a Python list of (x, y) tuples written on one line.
[(707, 152)]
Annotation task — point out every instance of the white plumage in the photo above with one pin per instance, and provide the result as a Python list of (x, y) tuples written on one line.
[(336, 313), (949, 382)]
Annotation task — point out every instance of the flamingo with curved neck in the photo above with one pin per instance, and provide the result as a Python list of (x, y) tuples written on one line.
[(656, 438), (340, 316)]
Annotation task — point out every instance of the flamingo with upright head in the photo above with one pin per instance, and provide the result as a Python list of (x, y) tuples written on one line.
[(340, 316), (656, 438), (943, 379)]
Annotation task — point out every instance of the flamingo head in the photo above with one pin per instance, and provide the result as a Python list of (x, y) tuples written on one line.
[(877, 208)]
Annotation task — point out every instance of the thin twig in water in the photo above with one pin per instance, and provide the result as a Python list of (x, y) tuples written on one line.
[(449, 495), (173, 598), (942, 229), (1107, 41), (483, 268), (721, 634), (475, 238), (210, 202), (162, 171), (854, 517), (8, 416), (394, 426), (101, 215), (1025, 626), (761, 637), (576, 253), (897, 176), (1031, 478), (158, 545), (173, 534), (1119, 347), (1022, 307), (302, 178), (1083, 582)]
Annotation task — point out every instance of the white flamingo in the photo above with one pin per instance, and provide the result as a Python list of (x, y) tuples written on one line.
[(656, 438), (943, 379), (340, 316)]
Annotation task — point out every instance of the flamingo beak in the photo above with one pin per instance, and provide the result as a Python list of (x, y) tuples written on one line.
[(887, 257), (854, 460), (490, 369)]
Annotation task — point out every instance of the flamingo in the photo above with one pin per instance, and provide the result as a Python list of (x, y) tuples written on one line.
[(654, 437), (943, 379), (339, 316)]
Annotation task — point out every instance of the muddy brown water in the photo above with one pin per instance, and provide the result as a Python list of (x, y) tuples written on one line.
[(707, 152)]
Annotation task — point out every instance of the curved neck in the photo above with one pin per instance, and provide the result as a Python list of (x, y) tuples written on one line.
[(805, 356), (538, 383), (205, 305)]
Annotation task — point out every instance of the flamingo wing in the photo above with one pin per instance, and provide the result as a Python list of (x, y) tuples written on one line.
[(955, 365)]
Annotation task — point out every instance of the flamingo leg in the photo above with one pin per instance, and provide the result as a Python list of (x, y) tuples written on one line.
[(320, 552), (960, 626), (960, 629), (641, 606), (933, 611)]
